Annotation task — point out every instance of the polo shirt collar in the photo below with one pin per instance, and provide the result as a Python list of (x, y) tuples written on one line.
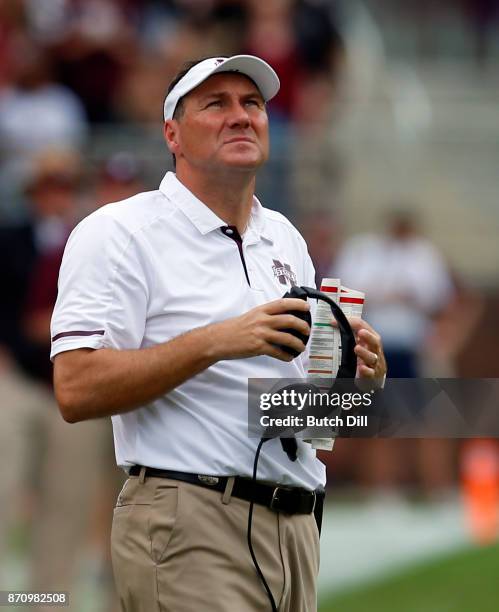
[(257, 226), (202, 217)]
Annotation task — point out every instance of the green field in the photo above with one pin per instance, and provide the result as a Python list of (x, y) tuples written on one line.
[(464, 582)]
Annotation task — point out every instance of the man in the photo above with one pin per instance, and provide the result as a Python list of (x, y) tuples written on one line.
[(169, 301)]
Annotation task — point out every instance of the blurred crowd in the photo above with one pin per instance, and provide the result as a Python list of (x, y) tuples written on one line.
[(72, 69), (67, 67)]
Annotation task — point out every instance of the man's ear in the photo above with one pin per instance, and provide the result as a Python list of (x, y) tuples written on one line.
[(170, 131)]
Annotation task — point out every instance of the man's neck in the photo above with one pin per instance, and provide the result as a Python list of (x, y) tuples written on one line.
[(230, 197)]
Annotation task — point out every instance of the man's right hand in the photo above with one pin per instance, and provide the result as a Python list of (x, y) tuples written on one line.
[(257, 332)]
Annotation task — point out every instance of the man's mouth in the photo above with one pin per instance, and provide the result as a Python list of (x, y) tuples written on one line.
[(239, 139)]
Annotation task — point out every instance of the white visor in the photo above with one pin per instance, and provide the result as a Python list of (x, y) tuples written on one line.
[(253, 67)]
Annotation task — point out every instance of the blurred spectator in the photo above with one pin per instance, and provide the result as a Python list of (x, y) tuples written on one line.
[(35, 111), (406, 284), (31, 254), (95, 43), (302, 41)]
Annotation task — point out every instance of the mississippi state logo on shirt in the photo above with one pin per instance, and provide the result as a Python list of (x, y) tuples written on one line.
[(284, 273)]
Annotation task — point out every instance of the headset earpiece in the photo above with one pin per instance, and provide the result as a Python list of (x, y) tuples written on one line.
[(299, 293)]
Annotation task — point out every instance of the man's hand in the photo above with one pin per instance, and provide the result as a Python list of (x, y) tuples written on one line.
[(257, 331), (371, 362)]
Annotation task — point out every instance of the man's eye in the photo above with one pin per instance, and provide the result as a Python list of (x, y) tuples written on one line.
[(214, 103), (253, 102)]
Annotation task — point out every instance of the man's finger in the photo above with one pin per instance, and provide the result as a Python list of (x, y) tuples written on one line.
[(286, 321), (282, 338), (356, 323), (286, 305), (364, 371), (368, 357), (278, 353), (369, 339)]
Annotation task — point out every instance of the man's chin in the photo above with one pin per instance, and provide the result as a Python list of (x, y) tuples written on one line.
[(244, 162)]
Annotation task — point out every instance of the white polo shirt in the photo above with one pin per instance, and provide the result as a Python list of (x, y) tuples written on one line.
[(140, 272)]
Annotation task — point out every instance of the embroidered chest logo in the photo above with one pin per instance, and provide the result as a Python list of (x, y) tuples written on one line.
[(284, 273)]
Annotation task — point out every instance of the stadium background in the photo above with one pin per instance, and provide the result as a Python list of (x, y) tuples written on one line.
[(387, 108)]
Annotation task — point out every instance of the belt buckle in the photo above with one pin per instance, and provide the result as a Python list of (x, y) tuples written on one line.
[(208, 480), (275, 499), (315, 501)]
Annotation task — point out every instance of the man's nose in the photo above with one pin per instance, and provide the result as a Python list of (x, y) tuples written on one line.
[(238, 117)]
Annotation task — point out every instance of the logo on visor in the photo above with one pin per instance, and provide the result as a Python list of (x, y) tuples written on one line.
[(284, 273), (219, 61)]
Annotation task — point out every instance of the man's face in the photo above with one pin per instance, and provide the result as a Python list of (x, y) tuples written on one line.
[(224, 125)]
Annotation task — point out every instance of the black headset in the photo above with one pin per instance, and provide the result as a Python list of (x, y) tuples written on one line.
[(347, 368), (348, 365)]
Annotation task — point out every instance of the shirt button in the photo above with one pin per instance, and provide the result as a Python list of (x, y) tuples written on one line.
[(229, 231)]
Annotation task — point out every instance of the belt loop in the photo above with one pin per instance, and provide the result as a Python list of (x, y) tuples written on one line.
[(228, 490), (142, 475)]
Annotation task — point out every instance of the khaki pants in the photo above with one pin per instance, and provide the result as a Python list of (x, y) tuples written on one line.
[(177, 547)]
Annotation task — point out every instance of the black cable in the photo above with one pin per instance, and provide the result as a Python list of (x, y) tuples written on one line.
[(250, 520), (347, 369)]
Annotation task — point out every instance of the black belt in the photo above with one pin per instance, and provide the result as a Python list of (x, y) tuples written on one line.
[(291, 500)]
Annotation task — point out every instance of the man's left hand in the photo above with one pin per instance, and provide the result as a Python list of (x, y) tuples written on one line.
[(371, 362)]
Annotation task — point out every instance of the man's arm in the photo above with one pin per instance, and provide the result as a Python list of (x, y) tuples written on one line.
[(92, 383)]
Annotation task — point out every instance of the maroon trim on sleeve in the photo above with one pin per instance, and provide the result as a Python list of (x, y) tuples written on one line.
[(98, 332)]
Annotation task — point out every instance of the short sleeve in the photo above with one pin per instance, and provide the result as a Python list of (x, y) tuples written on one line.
[(103, 288)]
